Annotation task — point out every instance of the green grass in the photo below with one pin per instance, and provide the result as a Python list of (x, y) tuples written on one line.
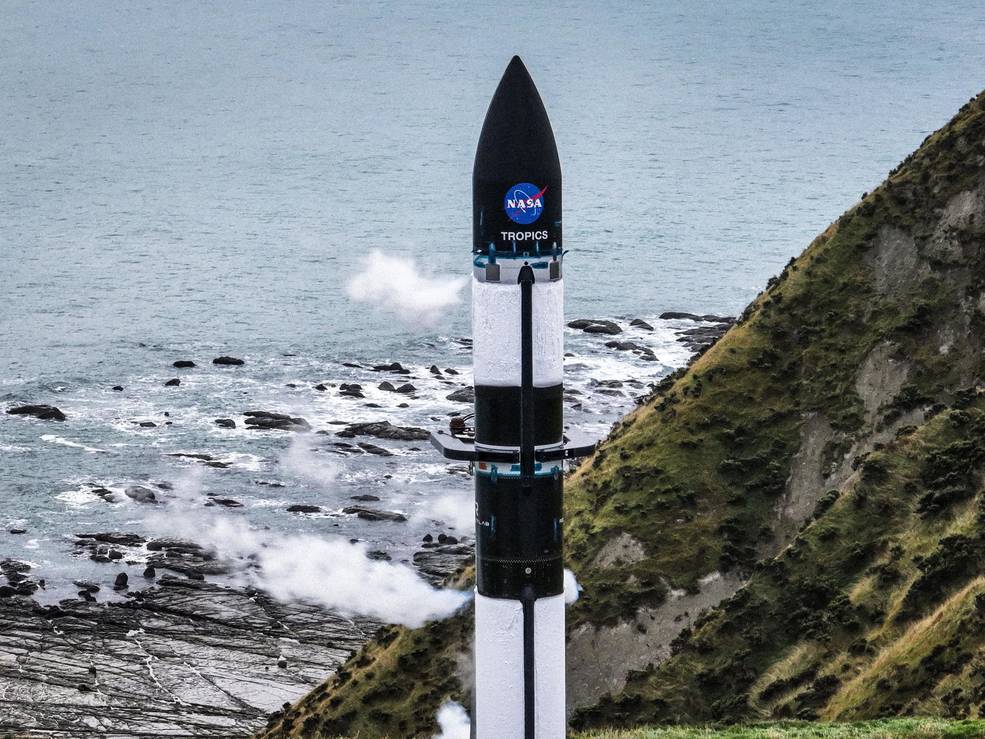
[(916, 728)]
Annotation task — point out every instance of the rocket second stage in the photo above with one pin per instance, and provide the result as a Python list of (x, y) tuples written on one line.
[(519, 443)]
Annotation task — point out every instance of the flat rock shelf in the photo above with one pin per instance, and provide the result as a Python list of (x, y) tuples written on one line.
[(190, 658)]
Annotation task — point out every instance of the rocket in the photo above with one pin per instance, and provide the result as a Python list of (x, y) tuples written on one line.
[(518, 444)]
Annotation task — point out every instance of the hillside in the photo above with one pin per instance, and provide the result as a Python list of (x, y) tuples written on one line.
[(811, 483), (900, 728)]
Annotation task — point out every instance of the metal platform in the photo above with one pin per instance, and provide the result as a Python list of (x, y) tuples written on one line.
[(574, 445)]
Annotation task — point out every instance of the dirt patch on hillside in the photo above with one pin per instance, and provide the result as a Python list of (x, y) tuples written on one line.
[(599, 659)]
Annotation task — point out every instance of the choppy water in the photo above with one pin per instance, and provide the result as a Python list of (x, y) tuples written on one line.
[(183, 180)]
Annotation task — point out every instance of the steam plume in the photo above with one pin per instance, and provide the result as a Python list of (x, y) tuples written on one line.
[(395, 285)]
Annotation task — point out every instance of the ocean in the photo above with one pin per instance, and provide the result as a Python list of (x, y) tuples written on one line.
[(186, 180)]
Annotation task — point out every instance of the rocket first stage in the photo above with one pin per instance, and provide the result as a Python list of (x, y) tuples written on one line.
[(519, 441)]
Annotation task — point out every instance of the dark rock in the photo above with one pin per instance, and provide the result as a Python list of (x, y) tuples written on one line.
[(42, 412), (369, 514), (378, 555), (121, 582), (702, 336), (225, 423), (388, 386), (183, 364), (228, 502), (465, 395), (351, 390), (373, 449), (115, 554), (354, 365), (433, 369), (147, 424), (626, 346), (18, 531), (304, 508), (406, 388), (228, 361), (595, 326), (173, 382), (86, 585), (150, 572), (639, 323), (603, 327), (450, 371), (365, 498), (392, 367), (428, 538), (265, 420), (669, 315), (321, 387), (140, 494), (118, 388), (116, 538), (384, 430), (174, 545), (439, 561), (282, 663)]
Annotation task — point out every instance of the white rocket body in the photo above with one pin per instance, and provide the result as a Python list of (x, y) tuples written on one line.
[(499, 674), (499, 668)]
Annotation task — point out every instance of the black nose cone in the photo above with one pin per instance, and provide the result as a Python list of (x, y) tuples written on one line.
[(516, 179)]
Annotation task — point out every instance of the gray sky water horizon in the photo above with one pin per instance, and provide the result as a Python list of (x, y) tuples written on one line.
[(212, 173)]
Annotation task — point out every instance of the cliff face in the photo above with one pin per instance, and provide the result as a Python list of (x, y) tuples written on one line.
[(810, 485)]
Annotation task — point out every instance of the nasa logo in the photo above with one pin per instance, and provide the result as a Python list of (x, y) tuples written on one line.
[(524, 202)]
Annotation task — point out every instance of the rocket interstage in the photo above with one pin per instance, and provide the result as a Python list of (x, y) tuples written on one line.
[(519, 444)]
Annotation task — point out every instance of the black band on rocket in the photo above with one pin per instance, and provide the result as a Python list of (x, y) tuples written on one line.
[(518, 536), (498, 408)]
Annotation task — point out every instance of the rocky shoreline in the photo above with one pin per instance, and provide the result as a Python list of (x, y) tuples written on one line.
[(180, 657), (167, 643)]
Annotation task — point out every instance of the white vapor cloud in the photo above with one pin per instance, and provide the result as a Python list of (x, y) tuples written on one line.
[(300, 460), (457, 511), (453, 721), (396, 285), (571, 587), (330, 572)]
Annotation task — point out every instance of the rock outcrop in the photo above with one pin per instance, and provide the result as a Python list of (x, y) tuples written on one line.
[(42, 412), (188, 659)]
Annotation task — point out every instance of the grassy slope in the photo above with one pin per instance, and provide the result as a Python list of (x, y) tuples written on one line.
[(886, 729), (695, 474), (877, 607)]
